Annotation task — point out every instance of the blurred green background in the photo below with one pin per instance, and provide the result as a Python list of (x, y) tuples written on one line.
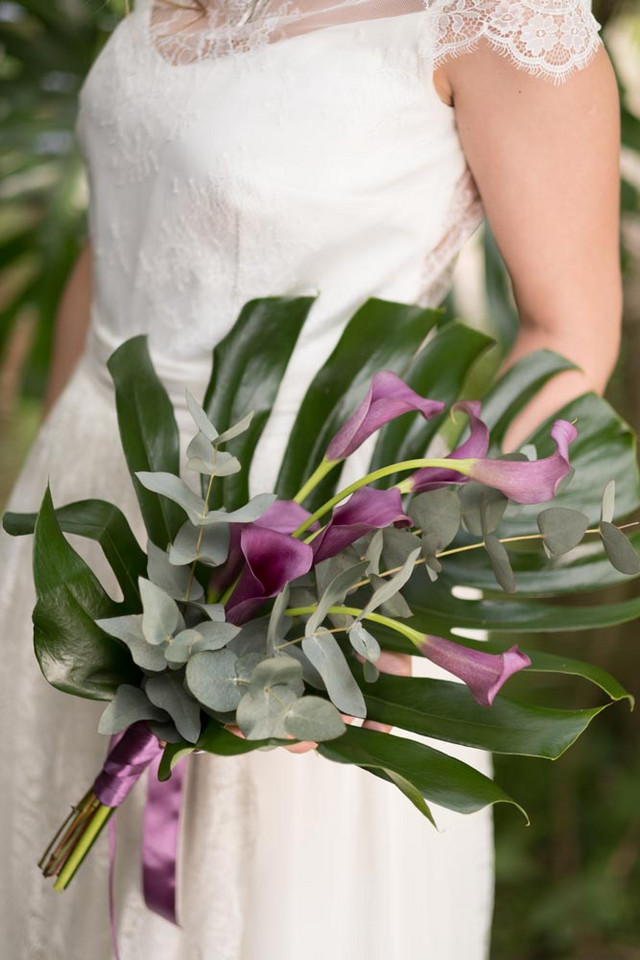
[(568, 886)]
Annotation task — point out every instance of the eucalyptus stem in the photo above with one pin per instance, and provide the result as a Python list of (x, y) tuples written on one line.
[(84, 844), (477, 546), (370, 478), (323, 468), (200, 532)]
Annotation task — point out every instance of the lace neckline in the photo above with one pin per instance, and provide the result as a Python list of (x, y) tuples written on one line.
[(245, 26)]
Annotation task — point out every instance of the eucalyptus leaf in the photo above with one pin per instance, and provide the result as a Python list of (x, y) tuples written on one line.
[(370, 672), (384, 593), (620, 552), (212, 678), (608, 505), (129, 630), (129, 705), (395, 606), (325, 654), (173, 579), (252, 638), (236, 429), (165, 731), (205, 636), (275, 630), (277, 671), (562, 529), (212, 550), (500, 564), (335, 593), (398, 545), (200, 418), (482, 508), (261, 711), (167, 691), (373, 552), (313, 718), (175, 489), (364, 643), (161, 616), (309, 673), (438, 513)]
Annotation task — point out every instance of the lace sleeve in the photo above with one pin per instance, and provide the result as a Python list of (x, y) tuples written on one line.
[(550, 38)]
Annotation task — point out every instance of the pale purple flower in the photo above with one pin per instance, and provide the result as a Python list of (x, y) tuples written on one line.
[(529, 481), (483, 673), (523, 481), (271, 560), (476, 445), (366, 509), (388, 397)]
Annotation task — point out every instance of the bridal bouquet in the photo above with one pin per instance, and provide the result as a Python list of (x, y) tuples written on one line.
[(252, 622)]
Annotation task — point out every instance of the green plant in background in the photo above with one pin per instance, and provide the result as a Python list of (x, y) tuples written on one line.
[(47, 48)]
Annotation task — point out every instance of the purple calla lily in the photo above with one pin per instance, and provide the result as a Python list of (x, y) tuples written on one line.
[(271, 560), (366, 509), (388, 397), (483, 673), (283, 516), (529, 481), (476, 445), (523, 481)]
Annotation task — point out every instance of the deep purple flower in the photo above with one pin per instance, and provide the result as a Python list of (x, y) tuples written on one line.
[(388, 397), (271, 560), (523, 481), (366, 509), (483, 673), (476, 445), (283, 516)]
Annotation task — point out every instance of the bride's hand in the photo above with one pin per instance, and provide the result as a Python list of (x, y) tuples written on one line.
[(388, 662)]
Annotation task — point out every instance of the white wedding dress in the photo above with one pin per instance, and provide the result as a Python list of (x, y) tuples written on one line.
[(230, 159)]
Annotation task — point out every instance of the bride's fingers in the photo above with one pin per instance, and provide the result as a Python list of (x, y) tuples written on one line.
[(374, 725), (396, 663), (302, 747)]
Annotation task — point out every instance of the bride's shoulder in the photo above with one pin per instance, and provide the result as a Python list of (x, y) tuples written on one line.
[(551, 38)]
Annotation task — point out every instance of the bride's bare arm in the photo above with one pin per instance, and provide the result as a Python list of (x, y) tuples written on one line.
[(72, 322), (546, 161)]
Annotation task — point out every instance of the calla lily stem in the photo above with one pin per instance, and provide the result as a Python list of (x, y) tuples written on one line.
[(371, 478), (86, 841), (323, 468), (413, 635)]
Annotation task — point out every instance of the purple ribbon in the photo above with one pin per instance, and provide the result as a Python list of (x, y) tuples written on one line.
[(130, 754)]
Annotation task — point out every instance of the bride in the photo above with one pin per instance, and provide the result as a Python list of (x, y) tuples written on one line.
[(245, 148)]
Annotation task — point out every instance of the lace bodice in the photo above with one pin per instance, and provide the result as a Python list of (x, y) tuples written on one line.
[(549, 37), (254, 147)]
